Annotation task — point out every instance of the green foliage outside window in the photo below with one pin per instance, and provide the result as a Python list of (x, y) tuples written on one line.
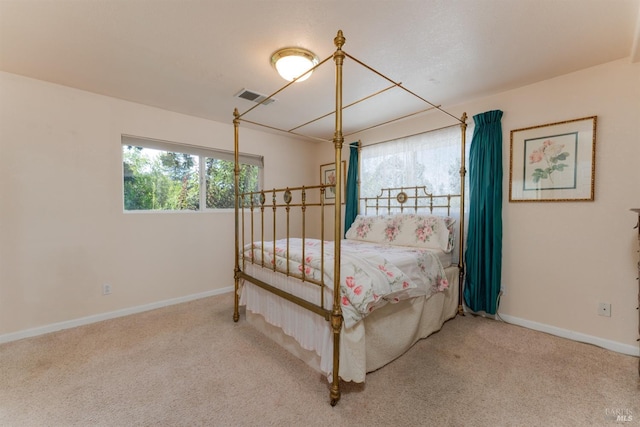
[(162, 180), (220, 182)]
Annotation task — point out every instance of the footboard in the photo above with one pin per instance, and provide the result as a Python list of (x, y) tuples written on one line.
[(267, 217)]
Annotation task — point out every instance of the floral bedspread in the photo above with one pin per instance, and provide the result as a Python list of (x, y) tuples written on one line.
[(371, 275)]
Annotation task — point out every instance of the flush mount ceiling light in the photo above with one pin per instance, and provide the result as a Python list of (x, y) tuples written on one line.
[(292, 62)]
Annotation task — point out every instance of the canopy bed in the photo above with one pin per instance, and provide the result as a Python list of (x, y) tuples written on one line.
[(396, 280)]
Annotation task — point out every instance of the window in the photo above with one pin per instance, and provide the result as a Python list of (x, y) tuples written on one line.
[(431, 159), (165, 176)]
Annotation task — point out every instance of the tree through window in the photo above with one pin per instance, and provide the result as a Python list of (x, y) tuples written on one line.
[(163, 176)]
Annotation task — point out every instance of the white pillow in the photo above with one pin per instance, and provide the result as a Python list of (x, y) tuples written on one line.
[(423, 231)]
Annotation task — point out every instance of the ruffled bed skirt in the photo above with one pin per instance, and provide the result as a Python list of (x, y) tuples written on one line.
[(384, 335)]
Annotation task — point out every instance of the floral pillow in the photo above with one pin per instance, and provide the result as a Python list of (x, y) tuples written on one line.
[(424, 231)]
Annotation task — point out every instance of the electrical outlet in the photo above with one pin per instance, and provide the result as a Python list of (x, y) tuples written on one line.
[(604, 309), (106, 289)]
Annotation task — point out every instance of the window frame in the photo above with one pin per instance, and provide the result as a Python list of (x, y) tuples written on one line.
[(202, 153)]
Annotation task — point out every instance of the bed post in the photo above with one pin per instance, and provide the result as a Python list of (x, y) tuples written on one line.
[(236, 173), (338, 140), (358, 184), (463, 171)]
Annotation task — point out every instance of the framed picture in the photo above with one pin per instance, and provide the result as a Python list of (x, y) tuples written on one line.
[(554, 162), (328, 176)]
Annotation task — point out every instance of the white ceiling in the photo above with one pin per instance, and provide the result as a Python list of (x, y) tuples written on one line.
[(193, 56)]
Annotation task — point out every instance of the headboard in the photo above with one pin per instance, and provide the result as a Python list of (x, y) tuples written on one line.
[(408, 200)]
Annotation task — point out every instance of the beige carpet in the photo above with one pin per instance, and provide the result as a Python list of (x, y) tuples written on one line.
[(190, 365)]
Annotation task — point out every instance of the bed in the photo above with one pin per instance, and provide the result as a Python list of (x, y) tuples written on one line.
[(397, 280)]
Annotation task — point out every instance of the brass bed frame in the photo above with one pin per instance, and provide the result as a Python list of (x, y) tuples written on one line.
[(305, 198)]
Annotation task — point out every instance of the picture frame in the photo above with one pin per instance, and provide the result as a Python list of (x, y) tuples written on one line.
[(553, 162), (328, 176)]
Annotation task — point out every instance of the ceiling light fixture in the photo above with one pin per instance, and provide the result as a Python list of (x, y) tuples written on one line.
[(292, 62)]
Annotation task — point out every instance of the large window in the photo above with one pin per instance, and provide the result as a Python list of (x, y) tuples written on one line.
[(431, 159), (164, 176)]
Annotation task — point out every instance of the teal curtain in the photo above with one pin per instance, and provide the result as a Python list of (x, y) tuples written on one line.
[(483, 256), (351, 204)]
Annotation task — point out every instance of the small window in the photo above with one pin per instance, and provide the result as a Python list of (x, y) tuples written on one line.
[(165, 176)]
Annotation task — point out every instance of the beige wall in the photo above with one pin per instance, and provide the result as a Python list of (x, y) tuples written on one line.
[(62, 226), (63, 232), (561, 259)]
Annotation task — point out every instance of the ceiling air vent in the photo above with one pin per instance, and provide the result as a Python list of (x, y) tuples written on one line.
[(254, 96)]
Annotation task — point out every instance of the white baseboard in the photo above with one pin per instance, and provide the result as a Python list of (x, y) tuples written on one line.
[(41, 330), (618, 347), (564, 333)]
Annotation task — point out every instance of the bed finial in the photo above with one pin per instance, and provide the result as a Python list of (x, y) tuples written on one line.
[(339, 40)]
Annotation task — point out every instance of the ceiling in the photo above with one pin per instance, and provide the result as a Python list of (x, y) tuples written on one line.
[(193, 56)]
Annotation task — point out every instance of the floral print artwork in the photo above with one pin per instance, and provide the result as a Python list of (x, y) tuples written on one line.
[(549, 156), (330, 178)]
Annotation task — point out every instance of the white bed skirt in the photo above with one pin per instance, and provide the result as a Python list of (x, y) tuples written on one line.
[(383, 336)]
